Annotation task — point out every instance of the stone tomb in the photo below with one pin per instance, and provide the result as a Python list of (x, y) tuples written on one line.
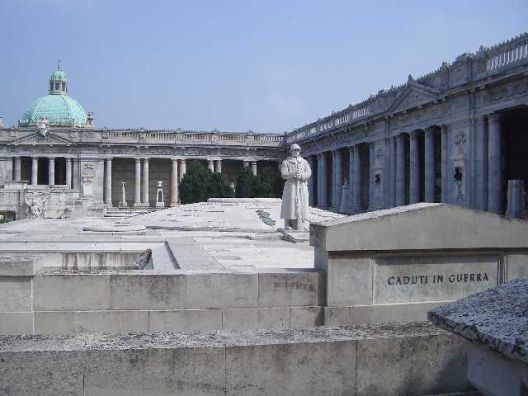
[(393, 265), (495, 321)]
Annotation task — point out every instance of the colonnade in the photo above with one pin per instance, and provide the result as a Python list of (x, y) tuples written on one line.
[(69, 161), (178, 170), (420, 167), (407, 174)]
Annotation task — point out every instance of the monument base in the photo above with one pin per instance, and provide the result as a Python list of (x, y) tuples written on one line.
[(295, 235)]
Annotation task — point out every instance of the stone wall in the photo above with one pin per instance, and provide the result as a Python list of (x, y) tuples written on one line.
[(413, 359), (60, 302)]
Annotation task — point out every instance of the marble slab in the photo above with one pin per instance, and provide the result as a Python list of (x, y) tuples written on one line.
[(496, 318)]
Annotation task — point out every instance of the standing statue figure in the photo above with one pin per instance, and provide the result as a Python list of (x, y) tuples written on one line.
[(160, 203), (296, 171), (123, 202)]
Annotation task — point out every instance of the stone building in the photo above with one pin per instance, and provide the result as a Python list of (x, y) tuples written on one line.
[(457, 135)]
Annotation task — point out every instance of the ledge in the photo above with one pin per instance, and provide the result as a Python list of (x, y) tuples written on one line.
[(496, 318)]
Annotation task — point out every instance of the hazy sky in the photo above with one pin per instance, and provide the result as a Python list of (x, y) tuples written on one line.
[(265, 66)]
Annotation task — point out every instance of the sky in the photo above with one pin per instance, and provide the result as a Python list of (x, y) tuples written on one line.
[(264, 66)]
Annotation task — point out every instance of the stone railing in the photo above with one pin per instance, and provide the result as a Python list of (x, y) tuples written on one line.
[(508, 54), (141, 136)]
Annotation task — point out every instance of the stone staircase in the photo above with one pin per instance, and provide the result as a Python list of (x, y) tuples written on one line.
[(123, 213)]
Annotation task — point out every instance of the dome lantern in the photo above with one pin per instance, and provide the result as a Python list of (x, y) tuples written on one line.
[(57, 82)]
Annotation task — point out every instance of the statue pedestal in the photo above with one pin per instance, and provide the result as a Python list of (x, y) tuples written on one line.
[(295, 236), (160, 204)]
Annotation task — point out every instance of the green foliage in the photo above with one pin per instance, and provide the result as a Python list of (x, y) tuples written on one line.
[(268, 183), (199, 184), (246, 184)]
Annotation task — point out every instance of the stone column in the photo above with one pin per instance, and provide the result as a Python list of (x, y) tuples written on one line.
[(218, 166), (444, 156), (356, 180), (18, 169), (429, 165), (174, 183), (323, 200), (337, 178), (68, 172), (145, 200), (210, 165), (108, 182), (34, 171), (311, 185), (183, 168), (51, 172), (319, 184), (494, 165), (400, 171), (254, 167), (137, 183), (245, 164), (414, 177), (76, 173)]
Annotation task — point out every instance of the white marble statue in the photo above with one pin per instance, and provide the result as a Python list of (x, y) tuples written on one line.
[(42, 126), (296, 171), (35, 203), (123, 202), (160, 202)]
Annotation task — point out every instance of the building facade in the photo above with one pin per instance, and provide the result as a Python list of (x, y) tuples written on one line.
[(457, 135)]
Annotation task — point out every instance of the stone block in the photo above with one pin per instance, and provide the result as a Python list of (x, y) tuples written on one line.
[(336, 316), (286, 289), (423, 364), (221, 290), (274, 318), (240, 319), (291, 369), (438, 277), (494, 374), (349, 281), (151, 292), (155, 372), (111, 321), (516, 266), (54, 322), (185, 320), (43, 373), (15, 294), (71, 292), (306, 317), (16, 266), (390, 313), (16, 323)]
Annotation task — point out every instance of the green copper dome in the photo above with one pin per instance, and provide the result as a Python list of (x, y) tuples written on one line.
[(58, 108)]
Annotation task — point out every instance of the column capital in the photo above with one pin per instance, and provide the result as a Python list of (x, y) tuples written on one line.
[(430, 129), (494, 117)]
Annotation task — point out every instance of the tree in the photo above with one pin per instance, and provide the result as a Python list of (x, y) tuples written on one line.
[(268, 183), (199, 184), (246, 184)]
